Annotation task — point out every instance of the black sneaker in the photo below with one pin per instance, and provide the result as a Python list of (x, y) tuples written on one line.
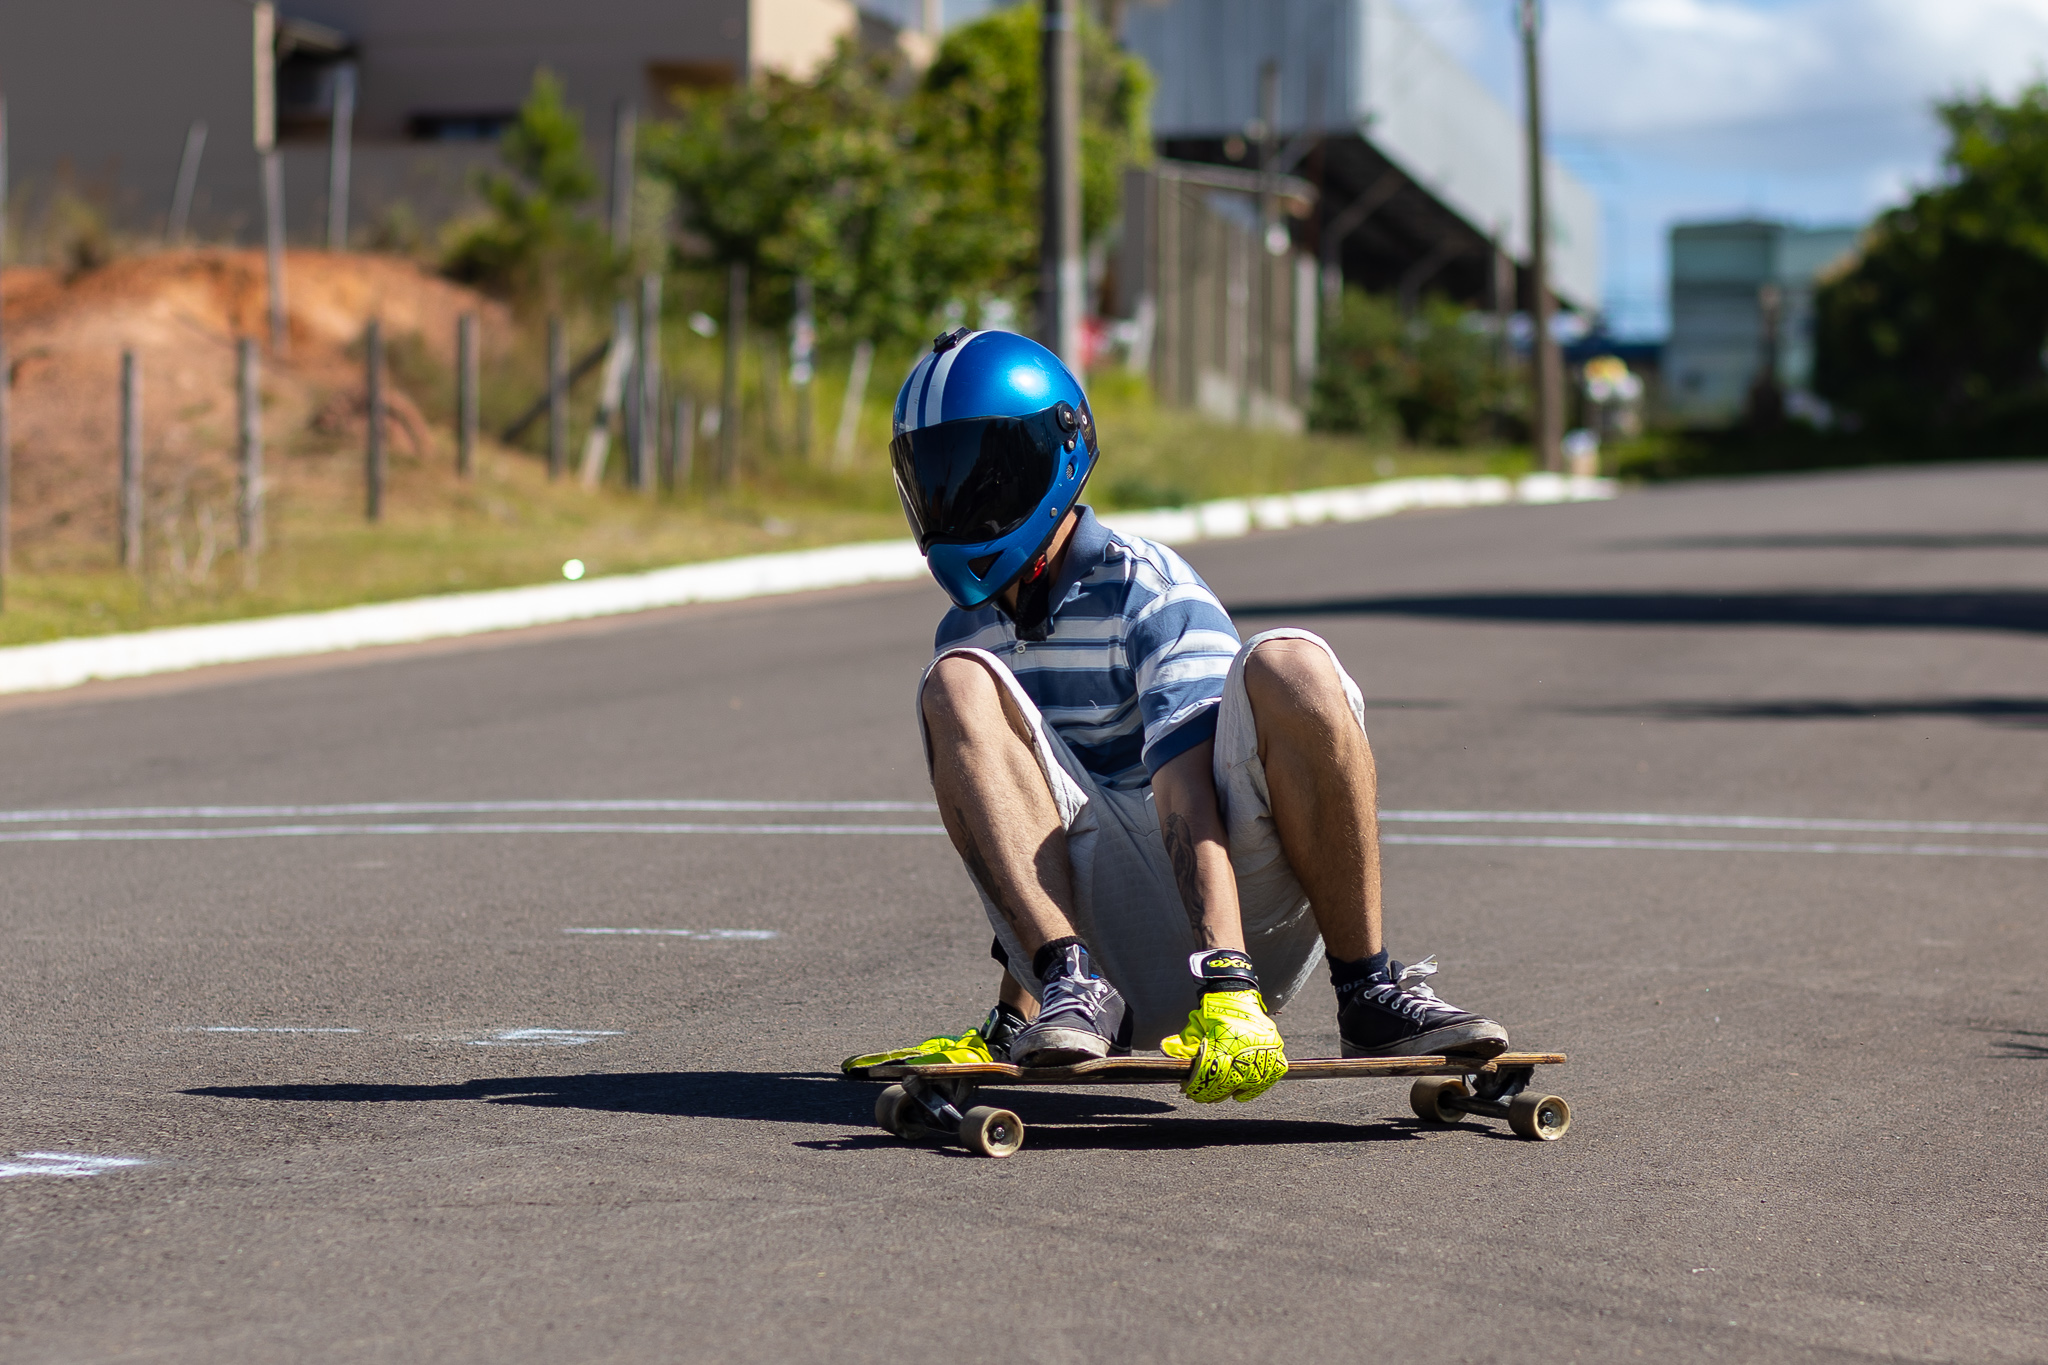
[(1402, 1017), (1000, 1030), (1080, 1016)]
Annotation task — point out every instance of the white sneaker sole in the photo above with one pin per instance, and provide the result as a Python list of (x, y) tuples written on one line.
[(1057, 1047), (1485, 1039)]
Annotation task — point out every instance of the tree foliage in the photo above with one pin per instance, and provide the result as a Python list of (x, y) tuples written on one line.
[(800, 178), (537, 241), (975, 120), (1935, 335), (895, 198), (1430, 379)]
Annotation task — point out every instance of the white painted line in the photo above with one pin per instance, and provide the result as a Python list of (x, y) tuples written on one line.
[(30, 817), (707, 935), (709, 806), (240, 1028), (1708, 845), (67, 663), (64, 1165), (119, 836), (1565, 817), (546, 1037)]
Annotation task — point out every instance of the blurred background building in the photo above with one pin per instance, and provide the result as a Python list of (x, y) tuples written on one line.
[(1741, 312)]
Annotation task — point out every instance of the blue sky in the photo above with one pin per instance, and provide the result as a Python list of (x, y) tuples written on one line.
[(1816, 111)]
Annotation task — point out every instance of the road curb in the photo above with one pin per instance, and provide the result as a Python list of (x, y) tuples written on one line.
[(67, 663)]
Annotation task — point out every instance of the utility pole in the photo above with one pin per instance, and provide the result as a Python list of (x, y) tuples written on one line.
[(273, 170), (1546, 373), (1062, 282)]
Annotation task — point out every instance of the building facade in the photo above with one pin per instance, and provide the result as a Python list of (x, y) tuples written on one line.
[(1742, 304)]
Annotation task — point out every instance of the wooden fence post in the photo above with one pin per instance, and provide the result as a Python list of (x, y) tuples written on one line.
[(648, 399), (682, 448), (131, 462), (373, 410), (729, 398), (6, 385), (558, 399), (466, 366), (249, 415)]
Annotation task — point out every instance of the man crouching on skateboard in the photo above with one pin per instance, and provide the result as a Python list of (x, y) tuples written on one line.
[(1158, 818)]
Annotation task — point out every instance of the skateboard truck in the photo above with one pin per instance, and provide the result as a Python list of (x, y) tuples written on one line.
[(919, 1106)]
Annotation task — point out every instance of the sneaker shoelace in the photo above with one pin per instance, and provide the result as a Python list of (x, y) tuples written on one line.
[(1408, 994), (1073, 994)]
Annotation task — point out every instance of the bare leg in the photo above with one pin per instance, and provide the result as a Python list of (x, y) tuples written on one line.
[(1017, 998), (994, 802), (1325, 792)]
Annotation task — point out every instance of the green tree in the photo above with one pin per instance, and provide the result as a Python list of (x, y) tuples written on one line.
[(1430, 379), (1934, 335), (802, 178), (975, 120), (537, 243)]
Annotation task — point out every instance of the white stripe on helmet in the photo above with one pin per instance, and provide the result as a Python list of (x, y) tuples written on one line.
[(935, 390)]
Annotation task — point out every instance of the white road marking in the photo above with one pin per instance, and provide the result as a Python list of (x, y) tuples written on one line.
[(546, 1037), (334, 827), (64, 1165), (243, 1028), (1573, 817), (1708, 845), (44, 817), (87, 836), (705, 934)]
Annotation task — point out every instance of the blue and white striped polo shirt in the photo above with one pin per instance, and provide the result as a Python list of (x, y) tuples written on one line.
[(1133, 668)]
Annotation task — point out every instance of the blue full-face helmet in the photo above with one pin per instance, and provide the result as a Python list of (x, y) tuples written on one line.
[(992, 442)]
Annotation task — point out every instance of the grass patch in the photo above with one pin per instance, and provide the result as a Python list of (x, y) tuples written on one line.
[(509, 526)]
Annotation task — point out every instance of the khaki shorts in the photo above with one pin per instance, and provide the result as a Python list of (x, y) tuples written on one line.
[(1127, 906)]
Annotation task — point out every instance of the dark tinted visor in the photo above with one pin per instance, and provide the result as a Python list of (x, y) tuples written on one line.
[(975, 480)]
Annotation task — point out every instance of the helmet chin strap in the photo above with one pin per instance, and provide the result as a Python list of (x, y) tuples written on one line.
[(1032, 617)]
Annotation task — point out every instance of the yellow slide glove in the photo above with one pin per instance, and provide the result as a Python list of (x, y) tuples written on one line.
[(1235, 1047)]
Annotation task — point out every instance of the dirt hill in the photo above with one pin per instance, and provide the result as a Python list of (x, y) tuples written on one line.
[(181, 311)]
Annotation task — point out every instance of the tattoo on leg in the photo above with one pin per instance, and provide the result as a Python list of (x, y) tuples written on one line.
[(1180, 848), (978, 868)]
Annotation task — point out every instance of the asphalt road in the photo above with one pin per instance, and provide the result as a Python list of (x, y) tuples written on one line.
[(1808, 1057)]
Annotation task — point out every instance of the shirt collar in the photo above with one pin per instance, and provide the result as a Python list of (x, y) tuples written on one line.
[(1087, 548)]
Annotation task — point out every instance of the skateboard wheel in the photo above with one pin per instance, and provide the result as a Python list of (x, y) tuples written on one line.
[(1433, 1098), (1540, 1118), (898, 1113), (887, 1104), (991, 1131)]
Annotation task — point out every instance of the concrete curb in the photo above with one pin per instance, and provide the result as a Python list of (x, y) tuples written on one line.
[(67, 663)]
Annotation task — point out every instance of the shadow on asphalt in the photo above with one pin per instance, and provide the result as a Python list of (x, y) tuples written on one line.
[(2013, 610), (1861, 540), (1057, 1120), (769, 1096), (2018, 1046), (2020, 711), (1043, 1134)]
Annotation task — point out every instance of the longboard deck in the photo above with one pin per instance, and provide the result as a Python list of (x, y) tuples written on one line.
[(1172, 1071)]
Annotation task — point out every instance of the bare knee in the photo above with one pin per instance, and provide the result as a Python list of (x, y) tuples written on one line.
[(1294, 682), (961, 700)]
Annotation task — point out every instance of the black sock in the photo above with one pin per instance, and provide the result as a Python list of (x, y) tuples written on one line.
[(1042, 961), (1352, 977)]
